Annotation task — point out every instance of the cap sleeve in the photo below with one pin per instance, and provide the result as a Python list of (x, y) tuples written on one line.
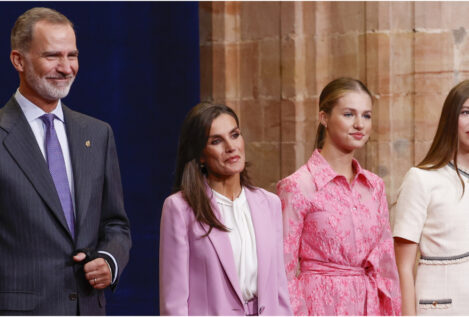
[(410, 209)]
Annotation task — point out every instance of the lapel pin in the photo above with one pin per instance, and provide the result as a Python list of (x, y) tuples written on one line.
[(88, 143)]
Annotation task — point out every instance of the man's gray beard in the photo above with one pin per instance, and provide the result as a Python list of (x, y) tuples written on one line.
[(45, 89)]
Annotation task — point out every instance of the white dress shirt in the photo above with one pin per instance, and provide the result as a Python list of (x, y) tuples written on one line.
[(237, 217), (33, 114)]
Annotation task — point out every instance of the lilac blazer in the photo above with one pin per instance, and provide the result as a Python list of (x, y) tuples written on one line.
[(198, 274)]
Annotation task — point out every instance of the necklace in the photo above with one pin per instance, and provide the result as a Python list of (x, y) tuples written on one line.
[(462, 171)]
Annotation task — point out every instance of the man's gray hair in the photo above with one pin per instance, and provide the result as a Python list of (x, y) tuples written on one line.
[(22, 32)]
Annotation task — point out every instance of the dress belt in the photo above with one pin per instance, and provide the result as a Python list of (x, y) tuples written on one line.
[(455, 259), (372, 284), (331, 269)]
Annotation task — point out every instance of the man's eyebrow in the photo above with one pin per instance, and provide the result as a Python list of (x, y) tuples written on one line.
[(50, 53), (57, 53)]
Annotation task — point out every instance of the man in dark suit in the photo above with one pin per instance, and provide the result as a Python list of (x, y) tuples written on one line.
[(64, 233)]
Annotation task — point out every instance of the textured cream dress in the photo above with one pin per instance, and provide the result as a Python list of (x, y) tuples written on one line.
[(432, 211)]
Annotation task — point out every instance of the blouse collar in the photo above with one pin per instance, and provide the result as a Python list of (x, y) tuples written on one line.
[(222, 199)]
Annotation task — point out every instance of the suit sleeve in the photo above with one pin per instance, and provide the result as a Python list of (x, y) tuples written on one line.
[(283, 296), (114, 233), (174, 260)]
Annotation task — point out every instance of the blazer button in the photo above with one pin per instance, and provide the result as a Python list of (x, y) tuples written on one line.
[(261, 309), (73, 296)]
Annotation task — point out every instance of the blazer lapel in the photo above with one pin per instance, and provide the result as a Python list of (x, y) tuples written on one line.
[(222, 245), (22, 146), (79, 143), (263, 230)]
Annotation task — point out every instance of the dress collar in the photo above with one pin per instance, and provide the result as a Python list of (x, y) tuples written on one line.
[(322, 172)]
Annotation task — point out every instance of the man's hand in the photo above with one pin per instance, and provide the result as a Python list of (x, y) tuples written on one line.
[(97, 272)]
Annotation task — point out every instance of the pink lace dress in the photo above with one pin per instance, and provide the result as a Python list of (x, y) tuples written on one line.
[(337, 241)]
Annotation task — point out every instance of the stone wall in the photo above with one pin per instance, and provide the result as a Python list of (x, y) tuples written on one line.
[(270, 60)]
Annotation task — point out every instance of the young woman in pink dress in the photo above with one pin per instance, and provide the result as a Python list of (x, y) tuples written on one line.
[(337, 239)]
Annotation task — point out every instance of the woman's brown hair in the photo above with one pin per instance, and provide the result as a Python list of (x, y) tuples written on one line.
[(329, 97), (190, 174), (444, 147)]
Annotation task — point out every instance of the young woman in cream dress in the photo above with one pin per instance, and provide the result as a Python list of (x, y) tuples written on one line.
[(432, 215)]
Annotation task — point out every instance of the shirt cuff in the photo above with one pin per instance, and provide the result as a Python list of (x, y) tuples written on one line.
[(114, 277)]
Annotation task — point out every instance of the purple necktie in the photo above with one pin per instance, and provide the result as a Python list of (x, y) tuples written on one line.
[(55, 160)]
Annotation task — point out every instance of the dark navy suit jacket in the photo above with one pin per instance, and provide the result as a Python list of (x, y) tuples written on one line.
[(37, 273)]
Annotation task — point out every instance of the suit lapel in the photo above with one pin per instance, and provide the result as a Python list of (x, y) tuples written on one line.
[(264, 235), (22, 146), (81, 159), (222, 245)]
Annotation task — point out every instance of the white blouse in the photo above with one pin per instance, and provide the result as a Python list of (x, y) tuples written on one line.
[(237, 218)]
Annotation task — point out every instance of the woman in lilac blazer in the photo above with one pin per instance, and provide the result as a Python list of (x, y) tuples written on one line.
[(220, 238)]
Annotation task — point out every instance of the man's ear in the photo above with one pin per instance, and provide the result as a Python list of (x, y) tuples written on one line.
[(323, 118), (17, 59)]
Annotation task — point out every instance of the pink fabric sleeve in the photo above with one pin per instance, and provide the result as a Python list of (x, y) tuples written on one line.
[(383, 270), (174, 259), (294, 208)]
